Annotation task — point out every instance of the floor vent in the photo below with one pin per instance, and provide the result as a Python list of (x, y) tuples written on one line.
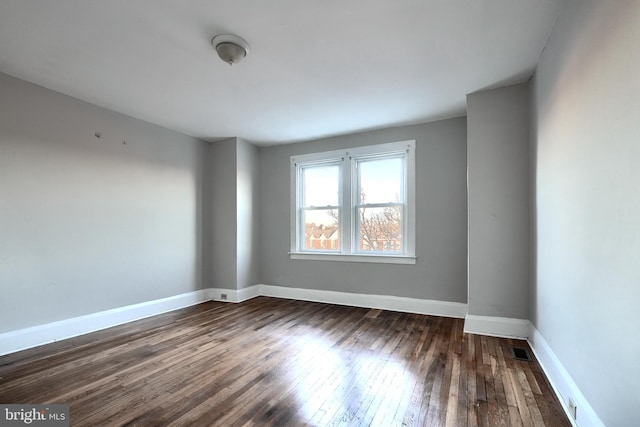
[(520, 354)]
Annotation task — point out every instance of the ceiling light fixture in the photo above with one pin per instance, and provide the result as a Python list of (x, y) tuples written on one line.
[(231, 49)]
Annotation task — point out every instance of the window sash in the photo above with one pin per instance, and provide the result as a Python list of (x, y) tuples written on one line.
[(357, 205), (349, 206), (300, 199)]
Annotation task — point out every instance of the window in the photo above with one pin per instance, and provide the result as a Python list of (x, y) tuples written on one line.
[(355, 205)]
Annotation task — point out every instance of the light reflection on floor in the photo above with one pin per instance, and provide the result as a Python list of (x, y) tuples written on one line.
[(334, 385)]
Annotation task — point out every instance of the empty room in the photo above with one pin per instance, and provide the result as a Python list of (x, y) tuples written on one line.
[(288, 213)]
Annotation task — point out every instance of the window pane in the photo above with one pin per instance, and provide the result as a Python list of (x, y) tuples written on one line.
[(381, 180), (321, 229), (380, 229), (320, 185)]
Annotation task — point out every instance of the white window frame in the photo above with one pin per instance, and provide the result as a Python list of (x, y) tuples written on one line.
[(348, 183)]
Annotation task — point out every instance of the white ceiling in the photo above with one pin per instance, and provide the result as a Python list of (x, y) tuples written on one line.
[(316, 68)]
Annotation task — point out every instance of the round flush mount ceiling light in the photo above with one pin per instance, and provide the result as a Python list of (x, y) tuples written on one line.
[(231, 49)]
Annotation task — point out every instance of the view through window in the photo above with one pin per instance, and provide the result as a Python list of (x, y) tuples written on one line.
[(380, 204), (320, 210)]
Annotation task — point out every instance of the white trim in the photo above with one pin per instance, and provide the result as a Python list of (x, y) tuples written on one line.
[(216, 294), (381, 259), (23, 339), (562, 383), (504, 327), (385, 302), (34, 336), (244, 294), (347, 159)]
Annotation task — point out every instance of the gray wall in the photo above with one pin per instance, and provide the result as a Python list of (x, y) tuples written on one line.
[(440, 271), (90, 224), (248, 212), (232, 214), (222, 216), (587, 145), (499, 224)]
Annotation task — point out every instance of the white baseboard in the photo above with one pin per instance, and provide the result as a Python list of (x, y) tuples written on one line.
[(248, 293), (232, 295), (504, 327), (386, 302), (23, 339), (562, 383)]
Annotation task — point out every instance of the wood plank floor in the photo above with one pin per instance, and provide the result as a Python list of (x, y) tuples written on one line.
[(282, 362)]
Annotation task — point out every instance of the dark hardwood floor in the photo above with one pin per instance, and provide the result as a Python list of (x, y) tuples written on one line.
[(282, 362)]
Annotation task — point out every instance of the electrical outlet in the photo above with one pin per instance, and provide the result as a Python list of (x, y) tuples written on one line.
[(573, 409), (223, 297)]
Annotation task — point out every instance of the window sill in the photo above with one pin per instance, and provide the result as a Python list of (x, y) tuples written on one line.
[(379, 259)]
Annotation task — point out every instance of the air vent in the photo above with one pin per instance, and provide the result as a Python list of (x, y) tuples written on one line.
[(520, 354)]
